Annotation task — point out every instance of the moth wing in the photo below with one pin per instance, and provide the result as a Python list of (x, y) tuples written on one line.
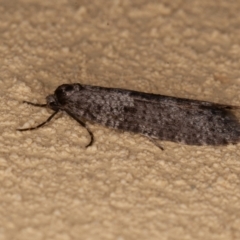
[(164, 100), (167, 102), (179, 102)]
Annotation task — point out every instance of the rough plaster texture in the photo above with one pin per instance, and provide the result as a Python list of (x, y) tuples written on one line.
[(123, 187)]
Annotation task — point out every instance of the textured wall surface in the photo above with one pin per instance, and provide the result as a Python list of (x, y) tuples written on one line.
[(123, 187)]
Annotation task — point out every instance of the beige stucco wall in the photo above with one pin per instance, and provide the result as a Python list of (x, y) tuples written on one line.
[(123, 187)]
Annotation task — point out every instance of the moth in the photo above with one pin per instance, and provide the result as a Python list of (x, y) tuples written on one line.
[(155, 116)]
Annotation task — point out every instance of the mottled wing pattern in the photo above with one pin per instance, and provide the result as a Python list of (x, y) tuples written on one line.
[(156, 116)]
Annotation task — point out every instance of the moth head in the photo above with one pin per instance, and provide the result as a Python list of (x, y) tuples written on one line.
[(64, 92), (52, 102)]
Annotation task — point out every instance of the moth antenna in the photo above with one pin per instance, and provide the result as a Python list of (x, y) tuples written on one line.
[(35, 104), (40, 125)]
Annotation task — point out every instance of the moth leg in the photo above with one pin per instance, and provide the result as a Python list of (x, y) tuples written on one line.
[(91, 136), (40, 125), (155, 143), (83, 124)]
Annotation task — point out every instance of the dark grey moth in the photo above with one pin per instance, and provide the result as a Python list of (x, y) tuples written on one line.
[(181, 120)]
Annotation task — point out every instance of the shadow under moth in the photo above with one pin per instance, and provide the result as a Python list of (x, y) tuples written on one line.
[(158, 117)]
